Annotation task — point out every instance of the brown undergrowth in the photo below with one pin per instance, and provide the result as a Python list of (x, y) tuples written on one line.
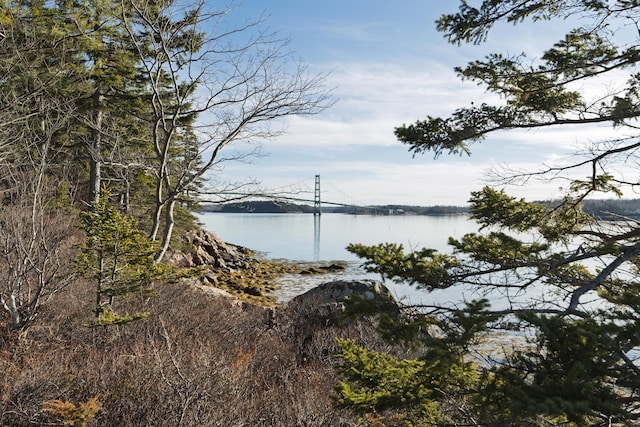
[(196, 361)]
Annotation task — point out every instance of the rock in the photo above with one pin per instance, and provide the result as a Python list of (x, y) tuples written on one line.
[(334, 267), (267, 315), (323, 269), (204, 248), (213, 292), (232, 268), (316, 313), (334, 293)]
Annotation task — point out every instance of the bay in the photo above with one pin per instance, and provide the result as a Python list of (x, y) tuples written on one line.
[(305, 238)]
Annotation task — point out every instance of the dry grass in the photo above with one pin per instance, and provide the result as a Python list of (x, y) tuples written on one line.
[(197, 361)]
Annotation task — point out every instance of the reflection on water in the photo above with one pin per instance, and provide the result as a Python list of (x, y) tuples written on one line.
[(316, 237), (305, 237)]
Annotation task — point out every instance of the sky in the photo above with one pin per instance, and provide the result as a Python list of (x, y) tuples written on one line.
[(388, 66)]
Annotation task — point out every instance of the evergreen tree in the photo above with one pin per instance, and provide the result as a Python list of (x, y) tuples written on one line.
[(112, 97), (76, 58), (118, 259), (566, 282)]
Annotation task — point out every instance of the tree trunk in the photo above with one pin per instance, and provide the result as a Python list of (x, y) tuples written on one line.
[(95, 177), (157, 214), (155, 227), (126, 197), (16, 321), (168, 229)]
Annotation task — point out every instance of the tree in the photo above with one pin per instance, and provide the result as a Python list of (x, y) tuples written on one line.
[(110, 67), (567, 282), (212, 86), (35, 238), (79, 51), (118, 258), (35, 227), (111, 90)]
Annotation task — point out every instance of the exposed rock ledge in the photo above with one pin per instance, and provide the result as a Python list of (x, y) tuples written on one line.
[(203, 248), (236, 269)]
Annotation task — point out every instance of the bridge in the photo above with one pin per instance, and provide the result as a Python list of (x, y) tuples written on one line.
[(300, 193)]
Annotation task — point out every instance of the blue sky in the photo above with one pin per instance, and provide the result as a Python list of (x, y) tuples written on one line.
[(389, 66)]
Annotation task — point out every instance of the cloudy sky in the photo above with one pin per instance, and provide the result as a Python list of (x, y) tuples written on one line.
[(389, 66)]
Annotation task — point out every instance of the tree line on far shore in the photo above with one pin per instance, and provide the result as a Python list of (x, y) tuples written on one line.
[(601, 208)]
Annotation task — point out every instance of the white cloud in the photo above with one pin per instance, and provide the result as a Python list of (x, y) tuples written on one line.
[(373, 99), (358, 32), (383, 85)]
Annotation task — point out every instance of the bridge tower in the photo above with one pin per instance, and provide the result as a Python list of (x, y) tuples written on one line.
[(316, 199)]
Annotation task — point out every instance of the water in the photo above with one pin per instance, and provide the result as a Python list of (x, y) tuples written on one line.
[(303, 237)]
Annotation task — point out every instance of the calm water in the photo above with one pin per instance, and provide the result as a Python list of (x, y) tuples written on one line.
[(303, 237)]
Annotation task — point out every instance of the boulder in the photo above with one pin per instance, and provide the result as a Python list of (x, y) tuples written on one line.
[(334, 293), (213, 292), (314, 314)]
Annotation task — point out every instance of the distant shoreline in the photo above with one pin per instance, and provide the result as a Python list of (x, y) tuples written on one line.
[(604, 209), (285, 207)]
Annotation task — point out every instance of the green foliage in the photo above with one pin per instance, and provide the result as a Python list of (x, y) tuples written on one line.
[(575, 367), (383, 380), (564, 283), (377, 381), (425, 267), (416, 390), (604, 183), (117, 258), (498, 248), (566, 375), (579, 361), (494, 208), (108, 318), (535, 96)]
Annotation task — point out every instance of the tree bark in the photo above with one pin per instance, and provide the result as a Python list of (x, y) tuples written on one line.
[(168, 229), (95, 177)]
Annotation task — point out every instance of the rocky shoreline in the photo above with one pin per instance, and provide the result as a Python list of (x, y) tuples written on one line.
[(233, 271), (238, 275)]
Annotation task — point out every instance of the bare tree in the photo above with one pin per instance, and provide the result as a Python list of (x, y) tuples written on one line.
[(35, 234), (211, 86), (34, 253)]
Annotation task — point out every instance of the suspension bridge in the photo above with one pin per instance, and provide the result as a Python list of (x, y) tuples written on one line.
[(302, 194)]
